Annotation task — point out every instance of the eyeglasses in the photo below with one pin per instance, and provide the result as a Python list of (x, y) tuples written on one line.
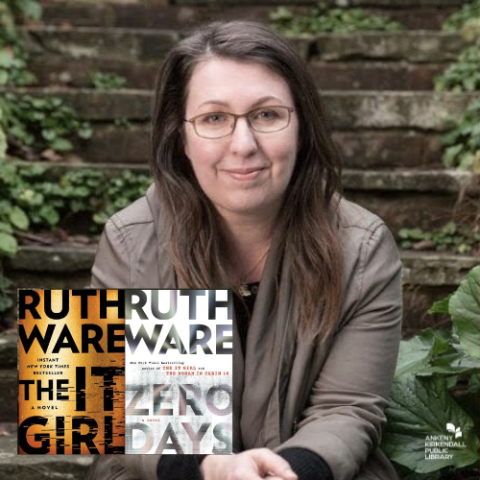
[(221, 124)]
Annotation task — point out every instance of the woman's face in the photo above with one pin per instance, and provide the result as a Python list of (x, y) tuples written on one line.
[(245, 172)]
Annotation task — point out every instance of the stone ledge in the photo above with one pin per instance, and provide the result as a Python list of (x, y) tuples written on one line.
[(93, 42), (9, 382), (361, 149), (47, 259), (123, 13), (56, 259), (440, 181), (347, 110), (435, 269), (413, 46), (430, 181), (40, 467), (8, 349), (144, 45), (62, 71)]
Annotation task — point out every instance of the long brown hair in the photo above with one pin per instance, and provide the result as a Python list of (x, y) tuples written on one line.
[(308, 220)]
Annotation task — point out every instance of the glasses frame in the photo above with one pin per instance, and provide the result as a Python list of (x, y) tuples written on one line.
[(236, 116)]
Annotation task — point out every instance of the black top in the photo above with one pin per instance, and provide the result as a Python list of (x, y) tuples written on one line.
[(306, 464)]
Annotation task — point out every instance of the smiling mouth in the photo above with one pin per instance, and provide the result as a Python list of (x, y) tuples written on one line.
[(244, 173)]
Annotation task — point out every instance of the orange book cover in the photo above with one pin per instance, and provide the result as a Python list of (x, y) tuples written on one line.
[(71, 372)]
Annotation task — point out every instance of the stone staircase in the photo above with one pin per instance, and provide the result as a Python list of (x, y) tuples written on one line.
[(378, 92)]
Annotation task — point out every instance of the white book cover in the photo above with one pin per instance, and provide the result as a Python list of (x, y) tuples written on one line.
[(178, 377)]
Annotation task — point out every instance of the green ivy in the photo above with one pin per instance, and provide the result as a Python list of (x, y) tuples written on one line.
[(462, 142), (13, 55), (464, 74), (107, 81), (323, 19), (35, 197), (459, 238), (35, 124), (436, 384), (469, 11)]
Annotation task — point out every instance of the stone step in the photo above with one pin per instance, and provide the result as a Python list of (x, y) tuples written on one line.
[(423, 111), (186, 14), (368, 148), (40, 467), (403, 198), (427, 277), (62, 71), (149, 45), (375, 149), (372, 129), (364, 62)]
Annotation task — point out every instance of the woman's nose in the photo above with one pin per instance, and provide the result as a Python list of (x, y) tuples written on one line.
[(243, 141)]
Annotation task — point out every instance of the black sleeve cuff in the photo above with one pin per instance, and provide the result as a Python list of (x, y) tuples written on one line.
[(180, 467), (306, 464)]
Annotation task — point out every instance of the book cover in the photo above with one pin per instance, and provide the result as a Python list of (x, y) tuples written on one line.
[(71, 371), (178, 383)]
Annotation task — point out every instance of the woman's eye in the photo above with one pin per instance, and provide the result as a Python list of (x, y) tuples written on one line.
[(214, 118), (266, 115)]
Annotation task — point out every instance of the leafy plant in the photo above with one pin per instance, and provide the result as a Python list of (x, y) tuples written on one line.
[(464, 74), (470, 10), (326, 19), (107, 81), (35, 124), (13, 55), (459, 238), (436, 385), (462, 142), (34, 196)]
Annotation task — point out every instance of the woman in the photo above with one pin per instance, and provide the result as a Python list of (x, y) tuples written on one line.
[(247, 196)]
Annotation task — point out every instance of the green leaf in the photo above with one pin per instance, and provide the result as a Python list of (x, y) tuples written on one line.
[(61, 145), (414, 354), (8, 245), (5, 228), (450, 154), (49, 214), (441, 306), (6, 58), (464, 308), (420, 408), (30, 8), (18, 218)]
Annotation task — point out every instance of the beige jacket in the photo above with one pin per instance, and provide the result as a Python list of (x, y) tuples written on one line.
[(290, 391)]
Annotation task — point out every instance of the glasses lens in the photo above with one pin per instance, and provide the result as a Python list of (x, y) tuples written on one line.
[(269, 119), (214, 125)]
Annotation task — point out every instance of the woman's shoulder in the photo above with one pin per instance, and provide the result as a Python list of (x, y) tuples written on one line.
[(353, 216), (140, 212), (127, 249)]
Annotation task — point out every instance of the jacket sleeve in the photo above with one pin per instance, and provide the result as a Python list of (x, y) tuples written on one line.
[(345, 414)]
